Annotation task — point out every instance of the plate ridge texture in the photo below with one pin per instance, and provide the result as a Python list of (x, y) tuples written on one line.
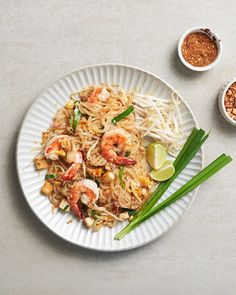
[(38, 119)]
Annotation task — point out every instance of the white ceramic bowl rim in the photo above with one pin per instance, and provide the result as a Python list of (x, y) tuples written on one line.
[(206, 30)]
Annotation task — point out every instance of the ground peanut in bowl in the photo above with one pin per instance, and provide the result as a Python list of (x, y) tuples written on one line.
[(230, 101)]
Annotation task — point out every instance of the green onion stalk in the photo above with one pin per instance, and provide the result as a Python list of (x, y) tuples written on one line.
[(198, 179), (121, 116), (189, 150), (77, 115)]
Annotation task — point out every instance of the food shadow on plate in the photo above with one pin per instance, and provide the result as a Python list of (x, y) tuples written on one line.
[(36, 227)]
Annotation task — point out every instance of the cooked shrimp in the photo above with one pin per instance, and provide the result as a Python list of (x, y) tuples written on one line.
[(98, 94), (86, 191), (114, 144), (71, 172), (54, 148), (65, 146)]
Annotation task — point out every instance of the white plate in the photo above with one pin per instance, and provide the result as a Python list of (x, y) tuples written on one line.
[(39, 118)]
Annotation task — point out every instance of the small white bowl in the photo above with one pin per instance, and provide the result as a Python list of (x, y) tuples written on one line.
[(221, 103), (210, 33)]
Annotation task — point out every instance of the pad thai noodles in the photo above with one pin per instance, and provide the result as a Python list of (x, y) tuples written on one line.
[(94, 152)]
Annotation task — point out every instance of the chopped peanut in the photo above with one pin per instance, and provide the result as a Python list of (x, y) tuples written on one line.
[(230, 101), (142, 192), (44, 137), (57, 183), (108, 177), (95, 172), (145, 181), (61, 153), (70, 105)]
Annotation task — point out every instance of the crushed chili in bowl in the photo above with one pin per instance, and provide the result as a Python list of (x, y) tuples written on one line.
[(230, 101), (199, 49)]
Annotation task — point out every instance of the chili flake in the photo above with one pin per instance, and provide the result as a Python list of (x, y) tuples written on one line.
[(199, 49)]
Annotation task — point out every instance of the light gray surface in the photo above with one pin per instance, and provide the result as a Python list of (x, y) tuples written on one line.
[(43, 40)]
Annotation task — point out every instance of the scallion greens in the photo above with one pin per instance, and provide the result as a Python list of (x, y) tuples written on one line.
[(189, 150), (121, 116)]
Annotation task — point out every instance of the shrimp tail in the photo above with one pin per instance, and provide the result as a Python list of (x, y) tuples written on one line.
[(93, 98), (71, 172), (72, 200), (75, 208), (124, 161)]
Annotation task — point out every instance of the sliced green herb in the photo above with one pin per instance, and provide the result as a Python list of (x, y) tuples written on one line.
[(94, 214), (123, 115), (66, 207), (121, 173), (127, 153), (50, 176), (131, 212), (77, 115), (97, 182)]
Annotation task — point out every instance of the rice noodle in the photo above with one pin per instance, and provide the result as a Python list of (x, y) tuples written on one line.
[(155, 118)]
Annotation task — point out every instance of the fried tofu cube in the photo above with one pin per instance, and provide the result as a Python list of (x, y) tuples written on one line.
[(40, 163), (47, 188), (64, 205), (88, 221)]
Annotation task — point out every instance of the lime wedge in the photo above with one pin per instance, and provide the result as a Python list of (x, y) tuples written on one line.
[(164, 173), (156, 155)]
